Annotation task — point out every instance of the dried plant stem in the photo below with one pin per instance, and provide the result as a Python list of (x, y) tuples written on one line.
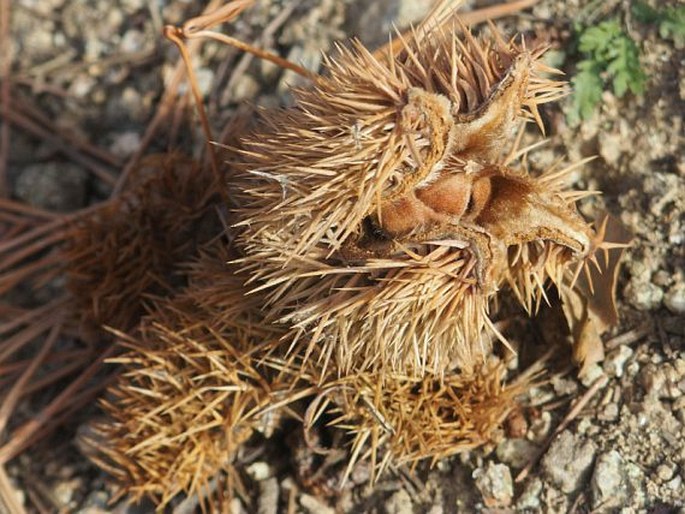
[(496, 11), (5, 92), (54, 137), (18, 389), (265, 39), (42, 236), (30, 316), (630, 337), (31, 249), (12, 344), (26, 210), (45, 418), (465, 19), (72, 360), (176, 36), (69, 137), (75, 402), (164, 109), (257, 52)]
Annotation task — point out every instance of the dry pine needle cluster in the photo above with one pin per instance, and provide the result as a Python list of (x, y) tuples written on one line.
[(341, 268)]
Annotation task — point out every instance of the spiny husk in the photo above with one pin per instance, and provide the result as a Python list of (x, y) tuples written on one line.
[(191, 391), (393, 334), (131, 246), (322, 166), (371, 132), (400, 419)]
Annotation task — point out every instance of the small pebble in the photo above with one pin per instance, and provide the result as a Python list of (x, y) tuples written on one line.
[(259, 471), (125, 144), (665, 471), (399, 503), (55, 186), (530, 497), (643, 296), (608, 483), (616, 361), (591, 374), (64, 491), (268, 496), (674, 299), (516, 452), (609, 412), (610, 147), (540, 428), (236, 507), (314, 506), (495, 484), (568, 461), (245, 88), (676, 484)]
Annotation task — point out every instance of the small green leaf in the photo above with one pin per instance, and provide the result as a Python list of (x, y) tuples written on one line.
[(673, 24), (645, 13), (610, 55), (671, 20), (588, 87)]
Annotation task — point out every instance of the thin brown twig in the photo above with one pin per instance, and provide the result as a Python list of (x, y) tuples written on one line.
[(12, 344), (177, 37), (75, 403), (164, 109), (37, 502), (68, 136), (21, 120), (467, 19), (265, 40), (31, 249), (29, 316), (39, 232), (37, 267), (46, 419), (496, 11), (17, 391), (630, 337), (5, 92), (8, 370), (27, 210)]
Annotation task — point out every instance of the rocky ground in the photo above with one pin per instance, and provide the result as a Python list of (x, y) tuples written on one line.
[(97, 69)]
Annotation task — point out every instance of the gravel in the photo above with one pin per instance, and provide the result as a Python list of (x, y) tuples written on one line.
[(609, 483), (56, 186), (568, 461), (495, 484), (268, 496)]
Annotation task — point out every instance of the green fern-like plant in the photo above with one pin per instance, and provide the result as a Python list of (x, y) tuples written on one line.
[(609, 56), (670, 20)]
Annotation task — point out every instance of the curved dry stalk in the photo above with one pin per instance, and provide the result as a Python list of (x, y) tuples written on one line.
[(164, 108), (41, 422)]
